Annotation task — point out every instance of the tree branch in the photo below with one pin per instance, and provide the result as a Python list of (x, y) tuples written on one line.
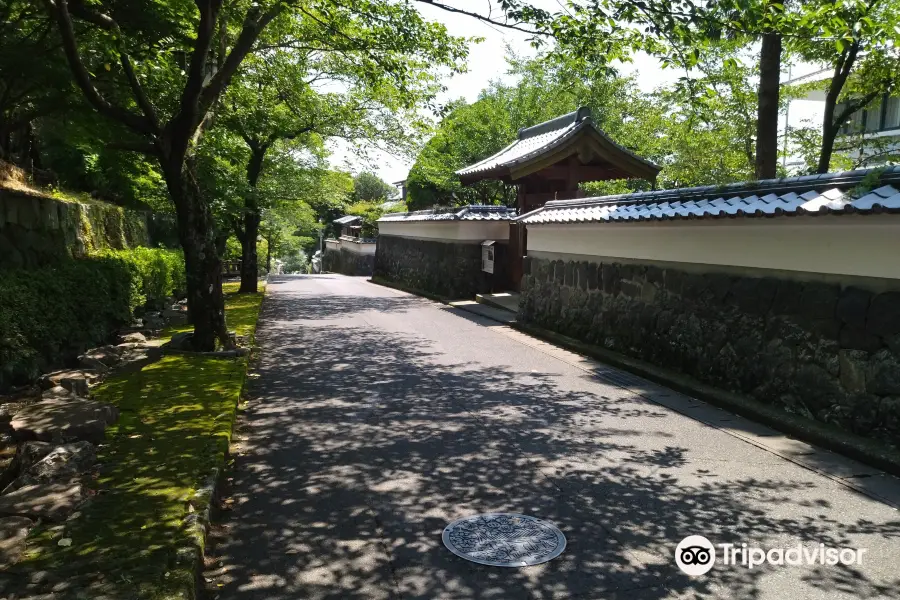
[(485, 19), (59, 10)]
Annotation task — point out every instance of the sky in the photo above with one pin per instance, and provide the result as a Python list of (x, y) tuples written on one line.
[(487, 62)]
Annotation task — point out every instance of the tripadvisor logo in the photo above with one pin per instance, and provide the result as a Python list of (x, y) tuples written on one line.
[(695, 555)]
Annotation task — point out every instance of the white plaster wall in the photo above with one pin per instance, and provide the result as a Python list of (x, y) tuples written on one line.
[(358, 248), (471, 231), (862, 245)]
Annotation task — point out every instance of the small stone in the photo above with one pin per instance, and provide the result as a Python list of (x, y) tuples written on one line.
[(109, 356), (133, 338), (52, 501), (181, 341), (74, 380), (13, 533), (89, 362), (154, 320), (29, 453), (64, 542), (175, 316), (62, 420), (57, 393)]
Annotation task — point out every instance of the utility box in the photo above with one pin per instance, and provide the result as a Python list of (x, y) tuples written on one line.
[(487, 256)]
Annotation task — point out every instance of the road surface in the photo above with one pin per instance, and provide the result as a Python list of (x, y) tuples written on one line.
[(378, 417)]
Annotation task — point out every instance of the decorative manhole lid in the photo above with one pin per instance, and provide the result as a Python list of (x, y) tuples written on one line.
[(504, 540)]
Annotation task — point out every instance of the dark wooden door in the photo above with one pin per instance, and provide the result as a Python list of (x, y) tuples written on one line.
[(517, 250)]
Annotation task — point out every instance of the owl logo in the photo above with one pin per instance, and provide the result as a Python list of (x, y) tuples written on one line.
[(695, 555)]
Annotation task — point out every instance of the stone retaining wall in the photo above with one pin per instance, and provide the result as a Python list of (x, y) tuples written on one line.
[(827, 351), (444, 268), (37, 230), (348, 263)]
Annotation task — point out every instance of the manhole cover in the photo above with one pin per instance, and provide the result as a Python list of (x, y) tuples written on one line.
[(504, 540)]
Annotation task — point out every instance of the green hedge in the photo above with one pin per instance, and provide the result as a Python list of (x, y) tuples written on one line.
[(51, 314), (156, 274)]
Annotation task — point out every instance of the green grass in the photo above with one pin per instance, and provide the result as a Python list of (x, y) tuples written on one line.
[(176, 419)]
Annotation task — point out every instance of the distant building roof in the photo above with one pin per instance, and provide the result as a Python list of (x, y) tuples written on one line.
[(830, 193), (348, 220), (572, 133), (475, 212), (820, 75)]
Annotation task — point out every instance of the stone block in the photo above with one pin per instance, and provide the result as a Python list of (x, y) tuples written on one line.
[(609, 274), (883, 374), (593, 275), (11, 212), (852, 306), (816, 386), (674, 281), (787, 299), (819, 300), (655, 275), (13, 534), (61, 463), (74, 380), (52, 501), (64, 420), (718, 286), (884, 314), (693, 286), (559, 271), (853, 365), (852, 337)]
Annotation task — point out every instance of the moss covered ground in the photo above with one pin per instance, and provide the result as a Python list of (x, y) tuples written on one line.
[(175, 425)]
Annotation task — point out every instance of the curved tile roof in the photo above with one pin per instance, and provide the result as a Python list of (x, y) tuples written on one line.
[(831, 193), (474, 212), (532, 142)]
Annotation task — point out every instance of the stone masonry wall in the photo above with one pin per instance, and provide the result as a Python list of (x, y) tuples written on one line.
[(348, 263), (826, 351), (37, 230), (449, 269)]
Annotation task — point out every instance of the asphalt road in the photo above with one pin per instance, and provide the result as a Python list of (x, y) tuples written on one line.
[(378, 417)]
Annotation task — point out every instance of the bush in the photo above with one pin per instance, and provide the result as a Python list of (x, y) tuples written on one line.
[(51, 314), (157, 274)]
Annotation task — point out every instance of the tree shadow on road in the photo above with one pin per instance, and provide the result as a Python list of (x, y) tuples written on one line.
[(361, 445)]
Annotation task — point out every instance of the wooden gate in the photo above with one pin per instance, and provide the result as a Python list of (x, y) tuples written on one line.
[(517, 248)]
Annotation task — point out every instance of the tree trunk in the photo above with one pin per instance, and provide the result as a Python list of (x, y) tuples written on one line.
[(829, 135), (252, 218), (203, 267), (249, 259), (767, 110)]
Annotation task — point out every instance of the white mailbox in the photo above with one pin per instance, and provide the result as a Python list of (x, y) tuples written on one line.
[(487, 256)]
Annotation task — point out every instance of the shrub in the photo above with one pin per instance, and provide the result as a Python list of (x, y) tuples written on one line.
[(51, 314), (157, 274)]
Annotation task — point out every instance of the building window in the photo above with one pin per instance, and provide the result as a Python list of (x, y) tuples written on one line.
[(892, 113)]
